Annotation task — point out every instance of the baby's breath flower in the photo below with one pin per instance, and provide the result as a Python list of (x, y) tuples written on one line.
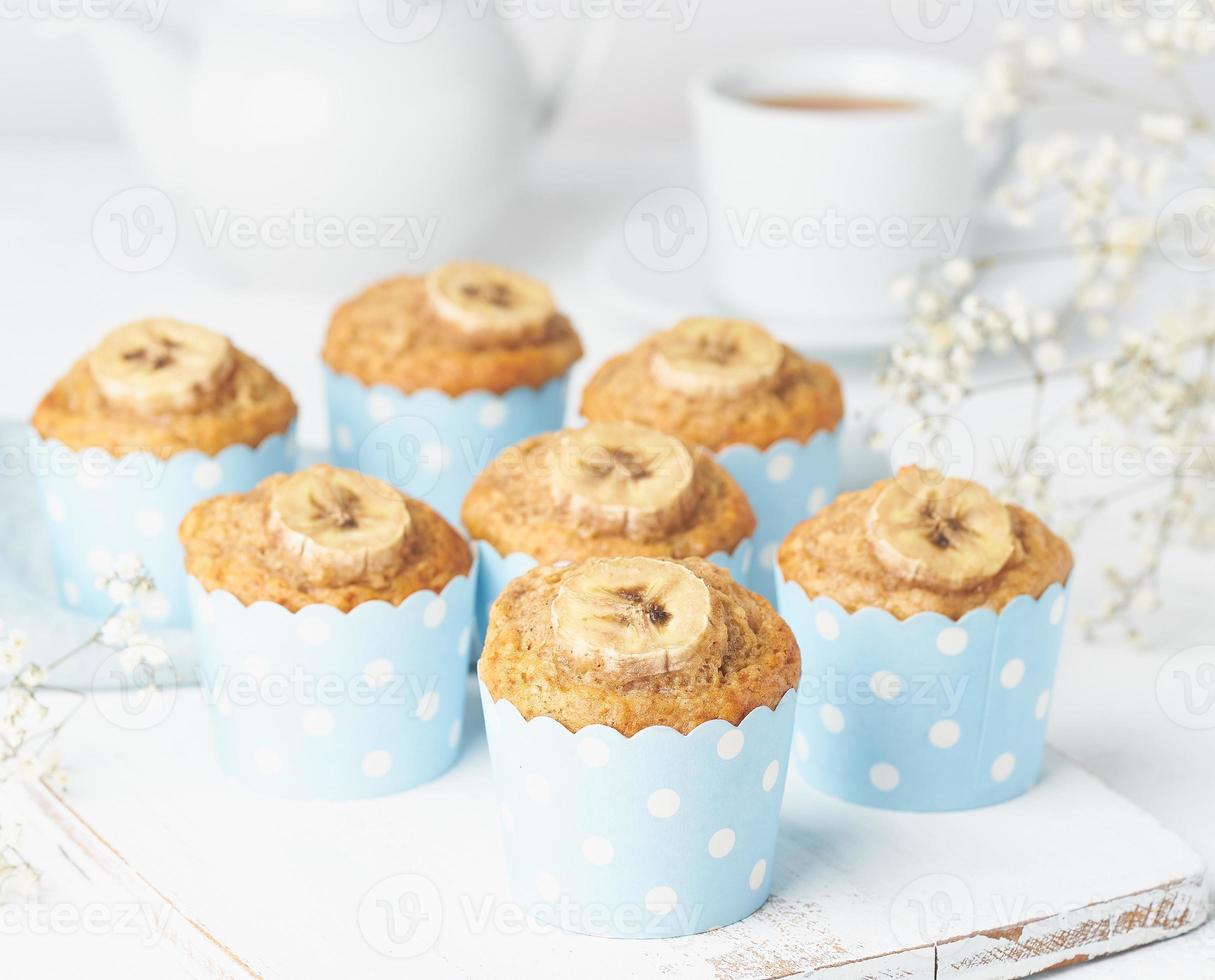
[(1049, 355), (1166, 129), (958, 272), (128, 566), (32, 676)]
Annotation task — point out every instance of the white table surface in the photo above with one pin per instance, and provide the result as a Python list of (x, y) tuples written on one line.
[(57, 295)]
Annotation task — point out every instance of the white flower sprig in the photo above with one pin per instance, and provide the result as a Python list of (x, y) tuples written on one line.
[(29, 732), (17, 876), (1150, 390)]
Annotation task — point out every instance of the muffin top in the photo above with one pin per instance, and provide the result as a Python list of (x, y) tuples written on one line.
[(634, 642), (163, 386), (467, 326), (612, 488), (321, 536), (716, 382), (922, 542)]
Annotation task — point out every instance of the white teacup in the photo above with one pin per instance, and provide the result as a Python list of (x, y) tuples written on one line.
[(813, 212)]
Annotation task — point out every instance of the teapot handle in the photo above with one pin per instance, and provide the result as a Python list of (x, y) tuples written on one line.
[(581, 61)]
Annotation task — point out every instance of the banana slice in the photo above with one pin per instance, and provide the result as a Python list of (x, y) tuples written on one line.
[(944, 533), (624, 479), (715, 356), (341, 525), (488, 300), (634, 617), (161, 365)]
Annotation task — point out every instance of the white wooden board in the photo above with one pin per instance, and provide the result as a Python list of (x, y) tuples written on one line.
[(251, 887)]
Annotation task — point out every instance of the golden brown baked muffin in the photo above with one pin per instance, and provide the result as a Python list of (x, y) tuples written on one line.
[(162, 386), (466, 326), (322, 535), (634, 642), (611, 488), (919, 542), (716, 382)]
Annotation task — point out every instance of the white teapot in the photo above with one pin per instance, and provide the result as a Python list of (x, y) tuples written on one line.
[(328, 140)]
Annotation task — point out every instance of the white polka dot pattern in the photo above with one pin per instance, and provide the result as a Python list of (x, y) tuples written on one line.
[(884, 776), (780, 468), (663, 803), (379, 712), (376, 764), (952, 641), (936, 714), (594, 751), (207, 474), (785, 482), (699, 813), (99, 508), (832, 718)]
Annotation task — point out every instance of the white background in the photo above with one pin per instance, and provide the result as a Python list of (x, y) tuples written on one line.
[(625, 132)]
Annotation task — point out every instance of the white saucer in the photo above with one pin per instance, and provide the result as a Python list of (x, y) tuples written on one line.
[(661, 298)]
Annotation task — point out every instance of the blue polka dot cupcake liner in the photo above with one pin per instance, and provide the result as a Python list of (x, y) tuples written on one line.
[(654, 836), (497, 570), (927, 713), (323, 704), (786, 483), (430, 445), (99, 507)]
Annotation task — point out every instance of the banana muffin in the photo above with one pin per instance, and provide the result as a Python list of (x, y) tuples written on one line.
[(163, 386), (611, 488), (636, 642), (921, 542), (717, 382), (321, 536), (465, 326)]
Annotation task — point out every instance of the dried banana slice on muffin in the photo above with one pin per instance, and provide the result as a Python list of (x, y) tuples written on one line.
[(923, 542), (716, 357), (609, 489), (341, 525), (161, 365), (946, 533), (635, 617), (624, 479), (485, 299), (322, 535)]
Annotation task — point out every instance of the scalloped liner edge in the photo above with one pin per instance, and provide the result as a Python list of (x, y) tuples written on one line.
[(782, 445), (381, 387), (510, 714), (235, 448), (233, 602), (971, 615), (523, 554)]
